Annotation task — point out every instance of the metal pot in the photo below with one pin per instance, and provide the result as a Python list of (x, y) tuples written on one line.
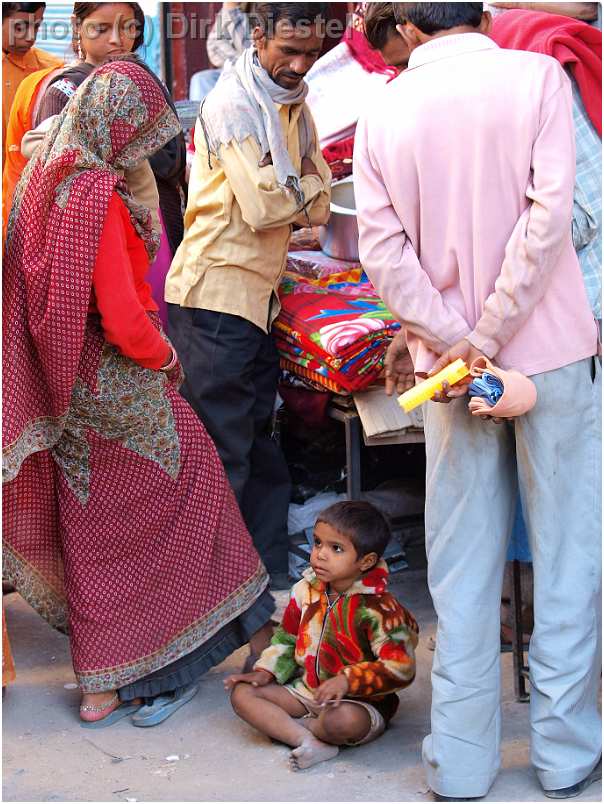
[(340, 237)]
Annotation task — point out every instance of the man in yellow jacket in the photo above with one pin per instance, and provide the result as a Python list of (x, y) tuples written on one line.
[(258, 169)]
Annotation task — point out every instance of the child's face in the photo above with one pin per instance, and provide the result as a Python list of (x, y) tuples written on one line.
[(334, 558)]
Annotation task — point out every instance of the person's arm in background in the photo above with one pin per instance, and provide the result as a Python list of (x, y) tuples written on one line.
[(538, 237), (124, 320), (264, 203), (31, 139), (229, 36), (169, 162), (588, 12), (390, 260)]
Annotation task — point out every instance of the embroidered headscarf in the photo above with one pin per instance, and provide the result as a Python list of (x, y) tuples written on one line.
[(117, 118), (242, 104)]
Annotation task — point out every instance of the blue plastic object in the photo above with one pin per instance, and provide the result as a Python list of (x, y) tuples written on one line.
[(488, 387), (163, 706)]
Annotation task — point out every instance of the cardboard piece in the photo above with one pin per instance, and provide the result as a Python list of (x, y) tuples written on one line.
[(384, 421)]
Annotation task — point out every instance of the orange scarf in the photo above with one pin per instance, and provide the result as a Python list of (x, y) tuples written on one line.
[(19, 122)]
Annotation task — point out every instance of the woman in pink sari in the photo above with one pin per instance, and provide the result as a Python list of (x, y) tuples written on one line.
[(119, 524)]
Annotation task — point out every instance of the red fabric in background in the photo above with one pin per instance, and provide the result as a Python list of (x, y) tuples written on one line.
[(342, 149), (336, 153), (571, 42), (307, 405)]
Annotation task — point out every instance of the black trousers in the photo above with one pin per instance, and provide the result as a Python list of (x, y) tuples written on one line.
[(232, 370)]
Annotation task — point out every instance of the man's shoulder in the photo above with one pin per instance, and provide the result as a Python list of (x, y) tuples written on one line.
[(228, 96), (46, 59), (535, 75), (539, 62), (505, 59), (31, 81), (512, 68)]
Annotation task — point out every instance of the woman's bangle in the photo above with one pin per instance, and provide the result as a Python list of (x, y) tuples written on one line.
[(172, 362)]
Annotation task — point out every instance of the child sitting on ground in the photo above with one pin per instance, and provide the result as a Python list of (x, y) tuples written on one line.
[(343, 648)]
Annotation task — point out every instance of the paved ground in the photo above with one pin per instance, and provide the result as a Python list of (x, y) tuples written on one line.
[(48, 757)]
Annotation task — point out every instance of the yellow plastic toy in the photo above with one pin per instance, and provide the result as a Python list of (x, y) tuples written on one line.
[(425, 390)]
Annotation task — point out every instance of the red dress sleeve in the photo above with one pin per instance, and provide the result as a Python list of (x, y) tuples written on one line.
[(124, 320)]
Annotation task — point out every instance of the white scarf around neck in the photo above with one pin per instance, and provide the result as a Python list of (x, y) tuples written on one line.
[(242, 104)]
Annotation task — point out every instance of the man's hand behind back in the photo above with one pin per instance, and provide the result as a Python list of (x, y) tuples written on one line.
[(398, 366), (468, 353)]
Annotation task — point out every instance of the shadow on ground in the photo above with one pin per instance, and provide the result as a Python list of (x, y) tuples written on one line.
[(48, 757)]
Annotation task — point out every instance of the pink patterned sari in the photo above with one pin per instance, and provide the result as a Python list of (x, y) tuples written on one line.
[(119, 524)]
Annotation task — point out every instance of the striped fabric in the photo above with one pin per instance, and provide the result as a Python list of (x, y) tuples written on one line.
[(587, 206)]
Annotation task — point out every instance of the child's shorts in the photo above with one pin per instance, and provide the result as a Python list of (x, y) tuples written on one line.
[(377, 723)]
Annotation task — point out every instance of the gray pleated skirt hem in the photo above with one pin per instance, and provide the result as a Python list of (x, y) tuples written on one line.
[(189, 669)]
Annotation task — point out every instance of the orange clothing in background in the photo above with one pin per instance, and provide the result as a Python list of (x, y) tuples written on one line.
[(19, 122), (14, 69), (8, 668)]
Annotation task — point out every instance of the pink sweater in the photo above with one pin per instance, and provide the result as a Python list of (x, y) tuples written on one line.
[(464, 175)]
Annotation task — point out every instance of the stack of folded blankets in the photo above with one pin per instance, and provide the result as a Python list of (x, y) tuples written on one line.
[(333, 329)]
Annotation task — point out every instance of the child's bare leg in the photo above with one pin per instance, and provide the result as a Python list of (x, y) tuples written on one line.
[(271, 709), (339, 725)]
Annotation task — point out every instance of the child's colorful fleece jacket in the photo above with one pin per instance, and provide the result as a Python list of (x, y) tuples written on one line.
[(367, 635)]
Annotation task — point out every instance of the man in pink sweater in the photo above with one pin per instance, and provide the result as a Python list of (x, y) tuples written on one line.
[(464, 198)]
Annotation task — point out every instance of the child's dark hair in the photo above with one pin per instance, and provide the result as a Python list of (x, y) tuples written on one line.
[(365, 526), (20, 8)]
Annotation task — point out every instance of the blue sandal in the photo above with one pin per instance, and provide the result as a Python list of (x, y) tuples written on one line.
[(163, 706)]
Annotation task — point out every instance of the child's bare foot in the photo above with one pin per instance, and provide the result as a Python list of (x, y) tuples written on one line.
[(310, 752)]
